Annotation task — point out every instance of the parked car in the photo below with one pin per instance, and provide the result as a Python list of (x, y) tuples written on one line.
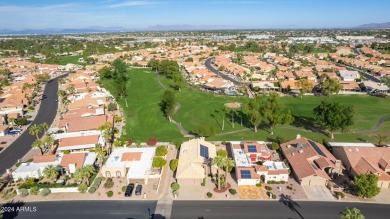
[(129, 190), (138, 190)]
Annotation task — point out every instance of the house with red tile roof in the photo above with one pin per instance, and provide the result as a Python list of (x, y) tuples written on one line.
[(246, 155), (64, 162), (311, 162), (364, 158)]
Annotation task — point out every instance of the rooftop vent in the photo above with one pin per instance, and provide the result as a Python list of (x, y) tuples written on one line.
[(116, 158), (300, 151), (292, 154), (289, 145)]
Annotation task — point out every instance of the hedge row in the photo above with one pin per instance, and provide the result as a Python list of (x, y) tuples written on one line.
[(95, 185)]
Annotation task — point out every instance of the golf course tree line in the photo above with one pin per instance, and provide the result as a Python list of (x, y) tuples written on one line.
[(168, 104), (116, 72), (170, 69), (267, 109), (333, 115)]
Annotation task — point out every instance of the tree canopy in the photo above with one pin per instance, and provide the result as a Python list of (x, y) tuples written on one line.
[(333, 115), (168, 103), (367, 185), (331, 86)]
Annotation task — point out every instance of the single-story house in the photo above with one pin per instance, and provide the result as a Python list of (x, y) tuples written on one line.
[(195, 161), (364, 158), (131, 163)]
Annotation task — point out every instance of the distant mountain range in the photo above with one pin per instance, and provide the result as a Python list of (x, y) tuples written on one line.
[(374, 26), (98, 29)]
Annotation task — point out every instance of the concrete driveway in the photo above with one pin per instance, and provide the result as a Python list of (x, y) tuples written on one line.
[(318, 193)]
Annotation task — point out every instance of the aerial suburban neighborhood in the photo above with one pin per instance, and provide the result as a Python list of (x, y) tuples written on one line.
[(193, 122)]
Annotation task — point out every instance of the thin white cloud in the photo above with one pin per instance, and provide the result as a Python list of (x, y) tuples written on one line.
[(131, 3)]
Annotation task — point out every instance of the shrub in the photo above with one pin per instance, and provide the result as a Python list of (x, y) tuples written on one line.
[(30, 181), (124, 188), (34, 190), (21, 121), (82, 188), (18, 164), (289, 187), (109, 194), (30, 108), (23, 192), (222, 153), (9, 194), (232, 191), (341, 194), (92, 189), (175, 186), (129, 141), (268, 188), (203, 183), (174, 164), (112, 107), (45, 192), (66, 151), (161, 151), (151, 142), (109, 183), (209, 194), (258, 184), (159, 162)]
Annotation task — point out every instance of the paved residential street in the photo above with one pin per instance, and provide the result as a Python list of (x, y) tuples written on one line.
[(22, 145), (82, 209), (272, 209), (208, 65)]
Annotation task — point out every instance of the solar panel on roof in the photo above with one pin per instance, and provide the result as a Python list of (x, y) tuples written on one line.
[(252, 148), (315, 146), (204, 151), (245, 174)]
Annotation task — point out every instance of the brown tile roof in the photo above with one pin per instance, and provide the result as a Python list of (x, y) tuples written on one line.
[(322, 162), (80, 140), (44, 158), (131, 156), (300, 153), (76, 158), (84, 123)]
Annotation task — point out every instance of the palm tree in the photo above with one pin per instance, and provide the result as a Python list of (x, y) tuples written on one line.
[(78, 175), (35, 130), (228, 162), (380, 138), (38, 144), (100, 153), (49, 141), (45, 126), (51, 172), (353, 213), (219, 162), (89, 170)]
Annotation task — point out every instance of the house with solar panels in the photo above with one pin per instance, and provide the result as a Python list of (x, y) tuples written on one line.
[(247, 154), (195, 161), (311, 162)]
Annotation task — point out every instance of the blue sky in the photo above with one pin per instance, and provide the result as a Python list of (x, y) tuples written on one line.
[(34, 14)]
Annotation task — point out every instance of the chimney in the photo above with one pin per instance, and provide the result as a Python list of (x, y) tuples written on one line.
[(298, 136), (72, 167)]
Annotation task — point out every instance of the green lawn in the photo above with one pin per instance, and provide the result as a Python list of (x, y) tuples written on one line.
[(63, 60), (144, 118)]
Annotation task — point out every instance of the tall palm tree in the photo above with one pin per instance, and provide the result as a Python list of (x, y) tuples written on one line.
[(51, 172), (353, 213), (79, 175), (219, 162), (35, 130), (100, 153), (49, 141), (228, 162), (38, 144), (45, 126), (89, 170)]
